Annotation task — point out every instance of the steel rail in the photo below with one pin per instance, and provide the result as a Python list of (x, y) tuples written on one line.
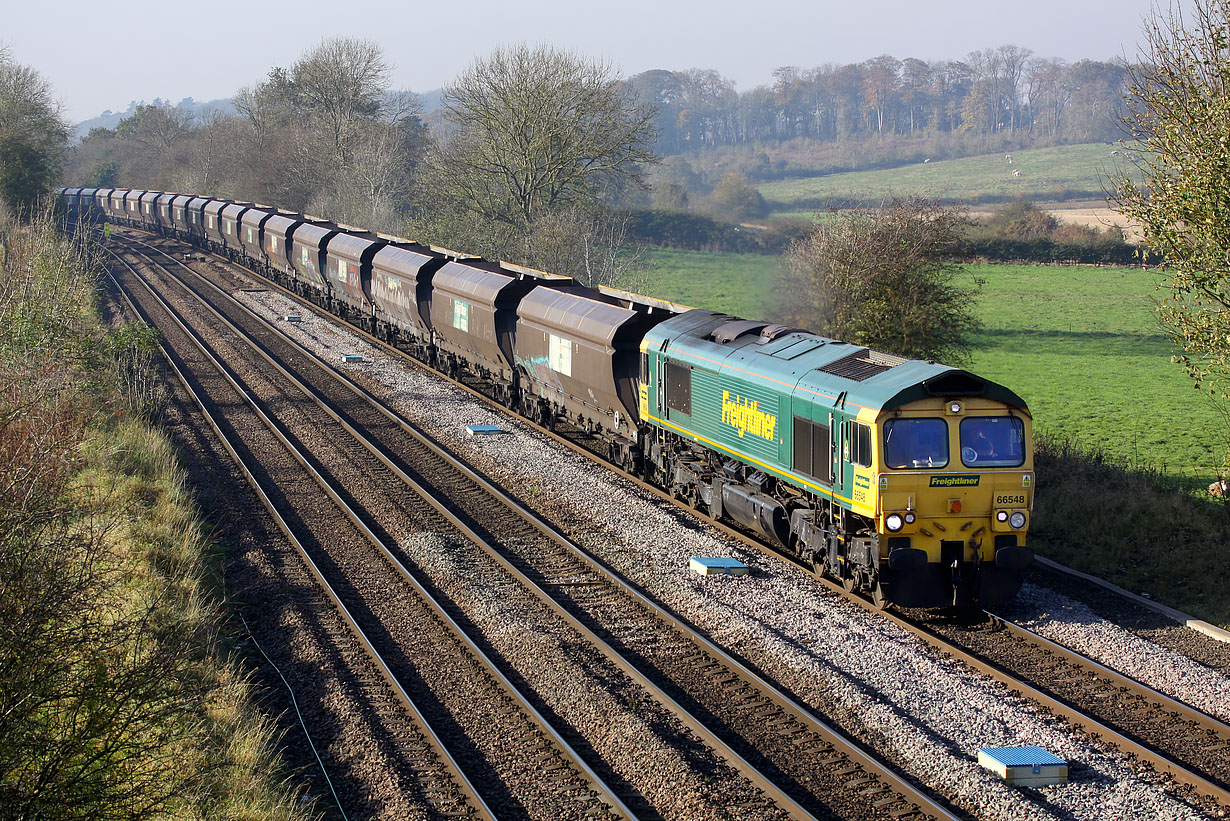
[(607, 795), (1123, 681), (1070, 713), (925, 804)]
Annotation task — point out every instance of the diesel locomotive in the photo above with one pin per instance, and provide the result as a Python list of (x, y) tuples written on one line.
[(907, 480)]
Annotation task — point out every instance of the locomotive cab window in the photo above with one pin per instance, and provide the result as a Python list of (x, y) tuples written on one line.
[(992, 441), (915, 443), (645, 368), (679, 387), (860, 444)]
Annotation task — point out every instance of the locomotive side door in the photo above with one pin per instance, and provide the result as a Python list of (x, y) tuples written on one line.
[(840, 428)]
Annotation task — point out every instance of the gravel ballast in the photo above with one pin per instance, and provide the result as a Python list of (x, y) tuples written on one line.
[(928, 713)]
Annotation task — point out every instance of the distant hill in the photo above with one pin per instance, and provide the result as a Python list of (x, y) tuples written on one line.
[(1041, 174), (110, 119), (432, 100)]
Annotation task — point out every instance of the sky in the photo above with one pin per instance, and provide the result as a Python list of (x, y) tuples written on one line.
[(101, 56)]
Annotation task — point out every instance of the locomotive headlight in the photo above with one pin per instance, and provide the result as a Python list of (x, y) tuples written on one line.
[(954, 408), (893, 522), (1017, 520), (1001, 515), (910, 517)]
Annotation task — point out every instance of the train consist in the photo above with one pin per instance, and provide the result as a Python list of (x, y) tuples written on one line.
[(908, 480)]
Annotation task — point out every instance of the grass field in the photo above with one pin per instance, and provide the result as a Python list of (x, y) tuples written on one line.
[(741, 284), (1046, 174), (1079, 344)]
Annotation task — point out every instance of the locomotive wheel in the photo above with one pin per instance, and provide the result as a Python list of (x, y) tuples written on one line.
[(878, 598), (819, 566), (847, 583)]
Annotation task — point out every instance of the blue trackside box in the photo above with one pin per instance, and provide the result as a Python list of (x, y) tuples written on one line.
[(1025, 766), (720, 566)]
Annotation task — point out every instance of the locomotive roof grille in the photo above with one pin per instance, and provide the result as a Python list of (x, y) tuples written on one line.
[(862, 365)]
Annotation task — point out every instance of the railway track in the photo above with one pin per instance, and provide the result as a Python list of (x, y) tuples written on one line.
[(1197, 767), (1170, 736), (472, 704), (675, 663)]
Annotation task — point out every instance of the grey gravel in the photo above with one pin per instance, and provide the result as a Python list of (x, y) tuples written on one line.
[(1072, 624), (864, 673)]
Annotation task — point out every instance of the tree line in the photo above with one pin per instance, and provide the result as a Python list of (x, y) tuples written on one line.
[(996, 91)]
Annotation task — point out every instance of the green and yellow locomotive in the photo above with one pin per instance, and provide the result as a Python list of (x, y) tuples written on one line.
[(909, 480)]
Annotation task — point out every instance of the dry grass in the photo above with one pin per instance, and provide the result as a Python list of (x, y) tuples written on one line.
[(1134, 527), (116, 699)]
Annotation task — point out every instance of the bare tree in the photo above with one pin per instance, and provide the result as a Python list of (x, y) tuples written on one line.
[(343, 81), (536, 130), (881, 85), (159, 127), (1012, 61)]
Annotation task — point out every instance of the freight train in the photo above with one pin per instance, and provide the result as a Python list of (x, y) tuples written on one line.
[(910, 481)]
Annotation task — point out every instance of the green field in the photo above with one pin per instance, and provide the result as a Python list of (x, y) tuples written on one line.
[(1079, 344), (740, 284), (1046, 174)]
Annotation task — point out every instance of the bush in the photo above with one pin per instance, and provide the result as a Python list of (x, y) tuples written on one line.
[(114, 700), (696, 232)]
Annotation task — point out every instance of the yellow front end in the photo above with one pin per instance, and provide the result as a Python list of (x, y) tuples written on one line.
[(952, 480)]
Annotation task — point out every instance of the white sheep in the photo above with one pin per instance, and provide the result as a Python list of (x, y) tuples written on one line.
[(1016, 173)]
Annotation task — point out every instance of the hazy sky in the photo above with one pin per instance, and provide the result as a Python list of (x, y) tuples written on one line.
[(103, 55)]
